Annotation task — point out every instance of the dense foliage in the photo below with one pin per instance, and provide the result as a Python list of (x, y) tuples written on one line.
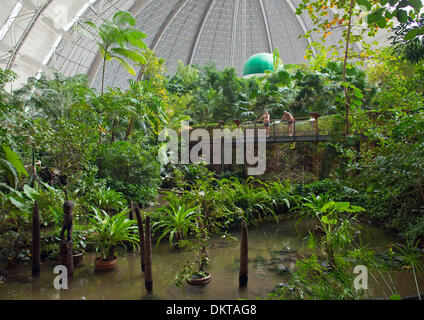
[(62, 140)]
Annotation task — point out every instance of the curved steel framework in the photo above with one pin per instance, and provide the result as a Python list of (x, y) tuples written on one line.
[(40, 35)]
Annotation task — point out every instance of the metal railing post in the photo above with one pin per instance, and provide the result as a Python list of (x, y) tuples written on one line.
[(316, 128)]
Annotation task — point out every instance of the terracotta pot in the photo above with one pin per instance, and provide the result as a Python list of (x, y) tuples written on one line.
[(200, 281), (105, 265), (78, 258)]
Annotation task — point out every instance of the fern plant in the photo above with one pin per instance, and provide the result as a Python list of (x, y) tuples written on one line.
[(177, 222), (109, 232)]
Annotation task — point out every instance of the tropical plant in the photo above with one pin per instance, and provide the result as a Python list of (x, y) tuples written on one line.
[(282, 196), (177, 222), (194, 266), (118, 40), (53, 98), (408, 41), (79, 240), (212, 95), (412, 258), (11, 167), (132, 169), (313, 280), (253, 200), (108, 200), (336, 220), (356, 24), (108, 232)]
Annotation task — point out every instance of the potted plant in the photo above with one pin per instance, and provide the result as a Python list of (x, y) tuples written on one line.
[(177, 221), (193, 271), (108, 233), (79, 239)]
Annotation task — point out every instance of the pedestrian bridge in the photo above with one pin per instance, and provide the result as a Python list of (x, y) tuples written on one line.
[(309, 129)]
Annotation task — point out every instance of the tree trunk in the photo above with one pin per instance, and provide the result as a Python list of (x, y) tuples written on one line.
[(131, 214), (243, 275), (114, 124), (349, 28), (103, 74), (141, 235), (148, 257), (36, 257), (129, 129), (203, 240), (66, 256)]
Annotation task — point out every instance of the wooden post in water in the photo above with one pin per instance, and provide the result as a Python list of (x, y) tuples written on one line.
[(66, 257), (243, 275), (36, 240), (148, 280), (222, 155), (141, 235)]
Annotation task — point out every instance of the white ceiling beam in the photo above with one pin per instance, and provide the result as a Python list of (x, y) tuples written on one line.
[(199, 31)]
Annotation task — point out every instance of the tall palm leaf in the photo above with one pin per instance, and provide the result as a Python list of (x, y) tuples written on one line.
[(118, 40)]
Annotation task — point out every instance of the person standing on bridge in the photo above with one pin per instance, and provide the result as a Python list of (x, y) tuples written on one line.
[(287, 116), (267, 119)]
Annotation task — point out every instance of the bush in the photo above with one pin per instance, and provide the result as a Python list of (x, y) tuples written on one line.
[(131, 169)]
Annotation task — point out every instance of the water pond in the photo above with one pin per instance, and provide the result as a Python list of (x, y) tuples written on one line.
[(273, 248)]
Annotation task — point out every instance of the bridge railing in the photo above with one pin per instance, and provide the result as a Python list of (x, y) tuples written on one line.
[(280, 128), (310, 128)]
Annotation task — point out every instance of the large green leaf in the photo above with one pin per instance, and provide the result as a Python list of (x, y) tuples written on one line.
[(365, 5), (14, 159), (30, 192), (130, 54), (134, 37), (375, 16), (125, 64), (414, 33), (402, 16), (9, 172), (416, 4), (123, 17)]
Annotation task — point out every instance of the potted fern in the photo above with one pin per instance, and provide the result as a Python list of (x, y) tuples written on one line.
[(108, 232)]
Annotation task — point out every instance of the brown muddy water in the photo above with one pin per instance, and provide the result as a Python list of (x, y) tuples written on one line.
[(273, 248)]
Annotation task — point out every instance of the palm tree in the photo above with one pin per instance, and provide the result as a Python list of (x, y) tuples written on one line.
[(118, 40), (53, 98)]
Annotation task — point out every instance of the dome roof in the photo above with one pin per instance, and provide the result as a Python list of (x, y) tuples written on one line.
[(259, 64), (36, 35)]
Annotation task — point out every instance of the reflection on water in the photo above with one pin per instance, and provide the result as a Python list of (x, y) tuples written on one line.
[(273, 249)]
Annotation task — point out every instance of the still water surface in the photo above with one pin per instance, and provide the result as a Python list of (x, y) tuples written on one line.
[(272, 252)]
